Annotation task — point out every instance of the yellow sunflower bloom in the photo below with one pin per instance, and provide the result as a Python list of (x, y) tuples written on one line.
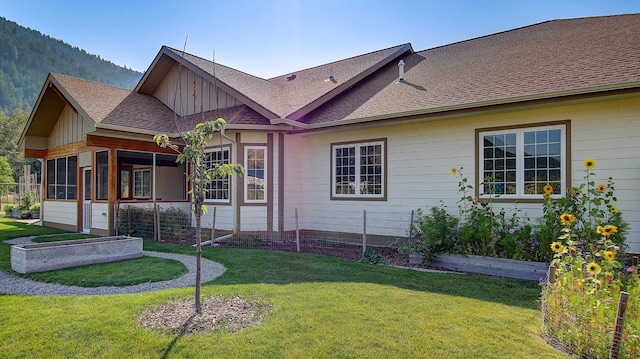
[(613, 209), (609, 255), (548, 189), (589, 163), (545, 196), (593, 268), (599, 230), (609, 230), (454, 171), (567, 218), (557, 247), (601, 188)]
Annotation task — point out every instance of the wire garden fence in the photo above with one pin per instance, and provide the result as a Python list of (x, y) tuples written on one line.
[(340, 234)]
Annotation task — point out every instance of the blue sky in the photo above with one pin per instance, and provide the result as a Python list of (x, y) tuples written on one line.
[(274, 37)]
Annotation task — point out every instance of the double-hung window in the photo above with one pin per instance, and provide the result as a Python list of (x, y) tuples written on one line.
[(142, 183), (517, 163), (61, 178), (218, 188), (358, 170)]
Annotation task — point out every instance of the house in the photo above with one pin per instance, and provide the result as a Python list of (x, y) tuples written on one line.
[(378, 131)]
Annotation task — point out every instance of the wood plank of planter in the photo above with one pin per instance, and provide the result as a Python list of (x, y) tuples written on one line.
[(500, 267)]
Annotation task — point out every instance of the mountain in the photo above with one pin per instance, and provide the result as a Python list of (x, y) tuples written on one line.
[(27, 56)]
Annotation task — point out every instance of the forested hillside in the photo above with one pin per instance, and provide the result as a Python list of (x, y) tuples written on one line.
[(27, 56)]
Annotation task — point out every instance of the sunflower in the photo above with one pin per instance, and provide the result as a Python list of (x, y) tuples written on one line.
[(609, 230), (609, 255), (548, 189), (599, 230), (567, 218), (613, 209), (557, 247), (601, 188), (589, 163), (545, 196), (454, 171), (593, 268)]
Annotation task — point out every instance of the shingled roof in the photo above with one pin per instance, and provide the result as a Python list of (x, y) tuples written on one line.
[(551, 59)]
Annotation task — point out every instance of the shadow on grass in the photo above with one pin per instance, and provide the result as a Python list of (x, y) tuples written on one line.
[(183, 331), (246, 266)]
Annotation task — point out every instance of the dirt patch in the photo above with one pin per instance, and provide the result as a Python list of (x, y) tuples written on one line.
[(218, 313)]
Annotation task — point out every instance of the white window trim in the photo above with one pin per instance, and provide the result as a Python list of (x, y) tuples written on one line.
[(520, 160), (228, 199), (246, 174), (142, 170), (357, 185)]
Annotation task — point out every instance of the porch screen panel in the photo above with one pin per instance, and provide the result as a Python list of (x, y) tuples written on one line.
[(72, 177), (51, 179), (102, 175)]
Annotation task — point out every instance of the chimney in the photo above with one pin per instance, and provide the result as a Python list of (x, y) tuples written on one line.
[(401, 71), (331, 78)]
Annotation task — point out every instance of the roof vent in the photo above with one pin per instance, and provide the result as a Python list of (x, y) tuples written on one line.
[(291, 77), (401, 71), (330, 78)]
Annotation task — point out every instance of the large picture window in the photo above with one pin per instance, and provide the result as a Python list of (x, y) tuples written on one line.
[(62, 178), (358, 170), (255, 159), (218, 189), (519, 163)]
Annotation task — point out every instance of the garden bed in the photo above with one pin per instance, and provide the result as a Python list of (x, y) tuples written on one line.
[(42, 257)]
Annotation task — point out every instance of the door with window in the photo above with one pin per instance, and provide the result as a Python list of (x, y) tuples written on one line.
[(86, 205)]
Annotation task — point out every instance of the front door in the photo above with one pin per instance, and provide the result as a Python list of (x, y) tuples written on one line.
[(86, 202)]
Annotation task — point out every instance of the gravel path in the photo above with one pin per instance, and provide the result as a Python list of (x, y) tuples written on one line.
[(13, 284)]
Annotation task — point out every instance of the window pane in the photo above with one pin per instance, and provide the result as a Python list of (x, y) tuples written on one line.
[(255, 170), (102, 175), (51, 179), (218, 188), (521, 162), (72, 179)]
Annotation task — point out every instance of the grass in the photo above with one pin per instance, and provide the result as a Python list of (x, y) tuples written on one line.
[(128, 272), (321, 307)]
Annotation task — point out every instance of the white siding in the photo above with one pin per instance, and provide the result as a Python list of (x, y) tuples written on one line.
[(420, 155), (100, 216), (176, 92), (60, 212), (254, 218)]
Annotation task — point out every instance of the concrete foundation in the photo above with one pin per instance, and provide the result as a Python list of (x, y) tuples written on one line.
[(42, 257)]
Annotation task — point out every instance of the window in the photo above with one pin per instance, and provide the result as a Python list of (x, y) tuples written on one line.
[(102, 175), (218, 188), (518, 163), (62, 178), (142, 183), (255, 173), (358, 170)]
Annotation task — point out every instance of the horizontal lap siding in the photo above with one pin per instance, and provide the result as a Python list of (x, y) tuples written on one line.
[(420, 155), (100, 216), (60, 212)]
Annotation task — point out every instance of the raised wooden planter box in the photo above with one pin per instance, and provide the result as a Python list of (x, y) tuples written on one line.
[(500, 267), (42, 257)]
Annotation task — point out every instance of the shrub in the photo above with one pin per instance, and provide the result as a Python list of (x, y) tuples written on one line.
[(372, 257), (9, 209), (35, 207), (27, 200)]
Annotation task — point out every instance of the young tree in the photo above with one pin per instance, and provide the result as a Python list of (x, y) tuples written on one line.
[(200, 175), (6, 177)]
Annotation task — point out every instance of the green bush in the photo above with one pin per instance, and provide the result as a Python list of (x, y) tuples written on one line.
[(27, 200), (372, 257), (9, 209)]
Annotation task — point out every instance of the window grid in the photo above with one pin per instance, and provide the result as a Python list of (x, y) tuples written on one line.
[(218, 188), (255, 170), (142, 183), (358, 170), (521, 162), (61, 178)]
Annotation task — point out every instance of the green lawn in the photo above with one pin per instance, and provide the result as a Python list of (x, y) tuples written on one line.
[(321, 307)]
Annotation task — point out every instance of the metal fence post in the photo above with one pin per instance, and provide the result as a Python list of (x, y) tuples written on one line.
[(297, 232), (364, 231)]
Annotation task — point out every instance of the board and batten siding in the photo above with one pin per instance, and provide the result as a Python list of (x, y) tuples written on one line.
[(177, 88), (70, 128), (420, 155)]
